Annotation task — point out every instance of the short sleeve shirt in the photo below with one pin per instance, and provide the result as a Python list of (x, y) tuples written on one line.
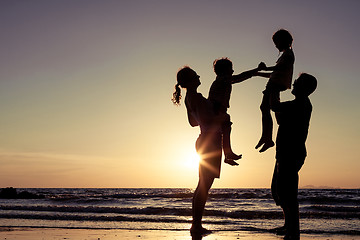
[(293, 118)]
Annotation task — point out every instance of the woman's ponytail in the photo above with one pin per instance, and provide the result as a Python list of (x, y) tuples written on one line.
[(176, 95)]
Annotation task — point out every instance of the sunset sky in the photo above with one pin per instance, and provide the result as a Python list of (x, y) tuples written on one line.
[(85, 89)]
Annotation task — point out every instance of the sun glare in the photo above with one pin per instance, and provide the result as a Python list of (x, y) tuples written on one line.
[(192, 160)]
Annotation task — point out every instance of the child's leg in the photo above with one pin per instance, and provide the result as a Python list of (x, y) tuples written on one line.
[(229, 154), (267, 123)]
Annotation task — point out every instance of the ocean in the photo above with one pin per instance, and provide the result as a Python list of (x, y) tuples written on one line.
[(322, 211)]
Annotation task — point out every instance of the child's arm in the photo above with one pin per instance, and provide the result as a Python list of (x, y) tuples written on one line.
[(266, 74), (275, 68), (262, 74), (278, 67), (247, 74)]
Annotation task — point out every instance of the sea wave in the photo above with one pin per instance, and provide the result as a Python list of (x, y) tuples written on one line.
[(168, 211), (334, 209), (321, 210)]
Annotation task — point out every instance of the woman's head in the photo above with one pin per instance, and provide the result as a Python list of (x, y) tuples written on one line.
[(186, 78), (282, 39)]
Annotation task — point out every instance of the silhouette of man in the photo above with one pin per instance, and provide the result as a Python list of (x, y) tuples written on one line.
[(293, 118)]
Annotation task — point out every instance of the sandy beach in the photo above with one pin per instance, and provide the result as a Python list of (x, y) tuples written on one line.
[(100, 234)]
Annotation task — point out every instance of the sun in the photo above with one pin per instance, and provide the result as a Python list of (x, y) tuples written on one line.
[(192, 160)]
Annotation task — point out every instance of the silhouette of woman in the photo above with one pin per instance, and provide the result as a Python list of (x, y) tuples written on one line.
[(208, 145)]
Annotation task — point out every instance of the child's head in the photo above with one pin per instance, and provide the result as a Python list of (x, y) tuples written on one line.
[(282, 39), (186, 78), (223, 67), (304, 85)]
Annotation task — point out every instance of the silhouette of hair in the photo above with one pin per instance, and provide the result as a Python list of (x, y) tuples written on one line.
[(183, 76), (222, 66), (308, 83), (176, 95), (283, 38)]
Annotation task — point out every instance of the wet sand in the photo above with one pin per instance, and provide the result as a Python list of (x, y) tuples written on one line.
[(101, 234)]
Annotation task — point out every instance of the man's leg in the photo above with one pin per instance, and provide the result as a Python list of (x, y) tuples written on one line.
[(288, 178), (275, 195)]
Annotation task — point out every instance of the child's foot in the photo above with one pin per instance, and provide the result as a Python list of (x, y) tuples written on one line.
[(266, 146), (266, 143), (260, 143), (232, 156), (231, 162)]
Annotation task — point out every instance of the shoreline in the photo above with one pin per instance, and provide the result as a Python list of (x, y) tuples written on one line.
[(35, 233)]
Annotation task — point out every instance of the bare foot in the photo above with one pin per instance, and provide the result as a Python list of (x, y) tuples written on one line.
[(231, 162), (199, 231), (267, 146), (233, 156), (260, 143)]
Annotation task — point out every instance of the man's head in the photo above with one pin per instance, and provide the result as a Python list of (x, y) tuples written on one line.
[(304, 85)]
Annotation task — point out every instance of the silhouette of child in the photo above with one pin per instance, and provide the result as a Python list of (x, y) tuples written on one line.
[(279, 80), (219, 95)]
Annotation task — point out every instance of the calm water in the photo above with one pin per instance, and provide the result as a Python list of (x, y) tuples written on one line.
[(323, 211)]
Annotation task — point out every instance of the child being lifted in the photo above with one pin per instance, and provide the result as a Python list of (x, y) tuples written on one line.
[(279, 80), (219, 95)]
